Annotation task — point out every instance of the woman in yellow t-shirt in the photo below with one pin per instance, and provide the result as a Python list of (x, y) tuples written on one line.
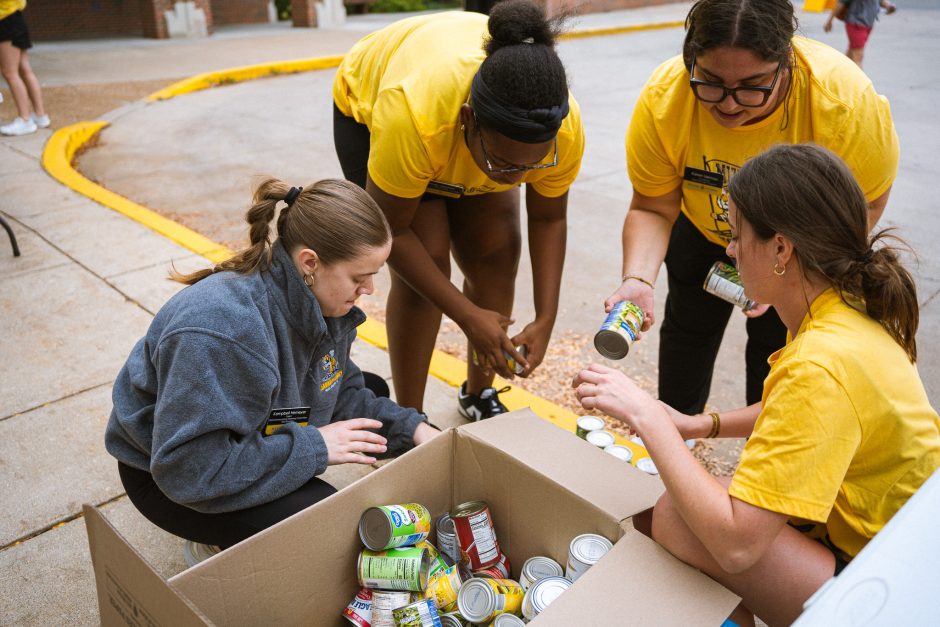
[(14, 62), (742, 84), (844, 433), (441, 118)]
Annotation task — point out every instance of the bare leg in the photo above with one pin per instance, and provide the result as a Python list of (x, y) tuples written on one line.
[(857, 55), (32, 85), (10, 68), (411, 320), (775, 588), (486, 243)]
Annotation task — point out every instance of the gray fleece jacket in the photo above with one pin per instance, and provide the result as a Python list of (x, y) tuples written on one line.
[(227, 360)]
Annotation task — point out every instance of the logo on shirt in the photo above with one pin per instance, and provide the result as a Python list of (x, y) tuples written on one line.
[(329, 374), (718, 197)]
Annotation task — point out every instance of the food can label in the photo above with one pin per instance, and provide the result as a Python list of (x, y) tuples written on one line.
[(724, 282), (359, 610), (443, 587), (437, 561), (393, 569), (421, 614), (620, 330), (411, 523)]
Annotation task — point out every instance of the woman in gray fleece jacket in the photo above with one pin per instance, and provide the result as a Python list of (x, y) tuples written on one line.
[(242, 391)]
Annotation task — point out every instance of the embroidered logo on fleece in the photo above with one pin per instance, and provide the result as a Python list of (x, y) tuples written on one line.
[(329, 375)]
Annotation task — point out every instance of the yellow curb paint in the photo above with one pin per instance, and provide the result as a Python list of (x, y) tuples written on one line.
[(60, 150)]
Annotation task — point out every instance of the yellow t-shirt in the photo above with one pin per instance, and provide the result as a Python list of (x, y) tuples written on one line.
[(406, 83), (9, 7), (831, 103), (846, 434)]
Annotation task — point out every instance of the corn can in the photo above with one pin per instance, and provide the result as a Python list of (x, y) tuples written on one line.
[(447, 538), (500, 570), (395, 569), (586, 424), (583, 552), (541, 594), (538, 567), (476, 535), (359, 610), (437, 561), (383, 602), (443, 587), (620, 452), (724, 282), (481, 600), (600, 438), (513, 365), (620, 330), (390, 526), (421, 613)]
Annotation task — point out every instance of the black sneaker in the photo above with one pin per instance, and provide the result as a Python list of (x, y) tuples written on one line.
[(481, 407)]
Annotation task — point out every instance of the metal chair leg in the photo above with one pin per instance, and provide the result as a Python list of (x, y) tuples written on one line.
[(16, 249)]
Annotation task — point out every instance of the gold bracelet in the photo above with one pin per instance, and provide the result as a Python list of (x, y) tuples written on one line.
[(716, 425), (637, 278)]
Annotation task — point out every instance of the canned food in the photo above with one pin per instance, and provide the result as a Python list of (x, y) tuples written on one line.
[(638, 441), (389, 526), (724, 282), (481, 600), (541, 594), (447, 539), (691, 443), (499, 570), (383, 602), (476, 535), (600, 438), (359, 610), (620, 452), (394, 569), (421, 613), (507, 620), (647, 465), (443, 587), (437, 562), (513, 365), (620, 330), (586, 424), (453, 619), (538, 567), (583, 552)]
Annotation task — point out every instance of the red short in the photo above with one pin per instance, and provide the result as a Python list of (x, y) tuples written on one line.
[(858, 35)]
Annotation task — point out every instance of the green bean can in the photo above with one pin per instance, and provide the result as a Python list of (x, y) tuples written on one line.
[(620, 330), (390, 526), (394, 569)]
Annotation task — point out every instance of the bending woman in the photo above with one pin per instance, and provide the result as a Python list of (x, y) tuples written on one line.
[(441, 118), (844, 433), (242, 391)]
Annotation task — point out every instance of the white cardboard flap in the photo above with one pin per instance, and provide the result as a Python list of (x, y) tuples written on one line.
[(640, 583), (614, 486), (130, 592)]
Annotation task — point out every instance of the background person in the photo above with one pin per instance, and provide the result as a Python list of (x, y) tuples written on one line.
[(242, 391), (441, 131), (844, 433), (742, 84), (14, 65), (859, 16)]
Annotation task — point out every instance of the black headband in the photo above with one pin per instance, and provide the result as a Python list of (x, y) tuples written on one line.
[(530, 126), (292, 195)]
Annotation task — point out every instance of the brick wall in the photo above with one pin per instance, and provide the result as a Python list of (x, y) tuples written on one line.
[(71, 19), (239, 11)]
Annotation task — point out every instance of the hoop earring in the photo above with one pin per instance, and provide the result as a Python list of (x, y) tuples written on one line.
[(309, 280), (779, 271)]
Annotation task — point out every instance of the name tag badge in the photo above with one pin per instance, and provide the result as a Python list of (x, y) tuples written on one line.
[(704, 178), (281, 416), (450, 190)]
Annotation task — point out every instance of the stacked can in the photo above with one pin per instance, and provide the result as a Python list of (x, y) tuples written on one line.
[(647, 465), (507, 620), (359, 610), (390, 526), (443, 587), (421, 613), (619, 331), (438, 563), (447, 538), (481, 600), (404, 568), (586, 424), (383, 603), (583, 552), (620, 452), (600, 438), (541, 593), (453, 619), (500, 570), (476, 535), (538, 567)]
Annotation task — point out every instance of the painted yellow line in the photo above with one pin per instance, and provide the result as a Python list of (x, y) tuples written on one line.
[(619, 30)]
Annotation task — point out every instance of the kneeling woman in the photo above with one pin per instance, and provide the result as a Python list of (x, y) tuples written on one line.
[(242, 391), (844, 433)]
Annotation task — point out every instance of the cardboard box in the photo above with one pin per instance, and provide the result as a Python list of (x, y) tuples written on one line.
[(544, 486)]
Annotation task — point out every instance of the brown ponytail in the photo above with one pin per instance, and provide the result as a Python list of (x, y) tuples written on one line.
[(808, 194), (335, 218)]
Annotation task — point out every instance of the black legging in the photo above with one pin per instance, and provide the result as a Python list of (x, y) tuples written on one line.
[(695, 323)]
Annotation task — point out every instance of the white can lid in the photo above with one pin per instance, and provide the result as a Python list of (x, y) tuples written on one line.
[(539, 567), (637, 440), (544, 591), (620, 452), (589, 547), (691, 443), (476, 600), (600, 438), (647, 465), (508, 620), (590, 423)]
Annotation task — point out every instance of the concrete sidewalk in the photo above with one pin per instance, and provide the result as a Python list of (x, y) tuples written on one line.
[(89, 280)]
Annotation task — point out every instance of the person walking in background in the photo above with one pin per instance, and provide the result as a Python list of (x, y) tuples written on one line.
[(441, 118), (14, 64), (859, 17), (743, 83), (844, 433), (243, 390)]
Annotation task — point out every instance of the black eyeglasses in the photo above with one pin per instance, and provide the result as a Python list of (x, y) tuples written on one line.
[(513, 169), (745, 95)]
